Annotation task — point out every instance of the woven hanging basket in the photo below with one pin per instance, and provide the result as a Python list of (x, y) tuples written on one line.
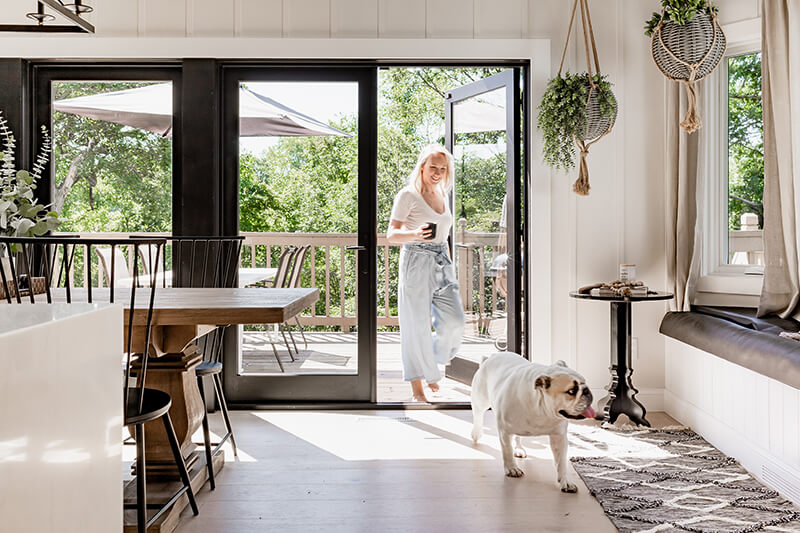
[(688, 53), (597, 125)]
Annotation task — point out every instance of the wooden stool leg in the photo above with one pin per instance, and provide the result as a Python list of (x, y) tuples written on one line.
[(176, 451)]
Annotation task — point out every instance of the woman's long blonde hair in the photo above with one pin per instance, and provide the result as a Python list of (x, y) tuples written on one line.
[(415, 178)]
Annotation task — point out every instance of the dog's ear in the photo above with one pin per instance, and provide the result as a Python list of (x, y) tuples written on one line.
[(561, 362), (542, 382)]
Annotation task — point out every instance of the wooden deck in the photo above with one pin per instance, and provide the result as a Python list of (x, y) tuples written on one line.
[(335, 353)]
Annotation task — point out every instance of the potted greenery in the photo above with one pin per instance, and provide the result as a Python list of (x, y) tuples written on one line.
[(576, 111), (687, 44), (20, 213)]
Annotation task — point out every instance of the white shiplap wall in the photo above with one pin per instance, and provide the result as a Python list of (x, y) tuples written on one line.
[(746, 415), (575, 240)]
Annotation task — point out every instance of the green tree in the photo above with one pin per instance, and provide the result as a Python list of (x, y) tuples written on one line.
[(109, 177), (745, 140)]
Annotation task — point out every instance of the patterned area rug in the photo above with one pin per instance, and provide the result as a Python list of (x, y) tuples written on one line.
[(673, 480)]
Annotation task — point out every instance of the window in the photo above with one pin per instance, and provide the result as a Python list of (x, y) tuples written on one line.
[(112, 154), (731, 155), (745, 135)]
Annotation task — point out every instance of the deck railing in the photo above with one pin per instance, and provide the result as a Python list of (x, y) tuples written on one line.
[(746, 246), (332, 268)]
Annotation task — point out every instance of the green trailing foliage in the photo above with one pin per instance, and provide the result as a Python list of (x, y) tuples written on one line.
[(678, 11), (562, 114)]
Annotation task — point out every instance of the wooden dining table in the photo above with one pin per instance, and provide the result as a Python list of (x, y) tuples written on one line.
[(181, 315)]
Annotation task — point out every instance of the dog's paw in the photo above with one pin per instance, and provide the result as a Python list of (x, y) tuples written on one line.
[(569, 487), (477, 433), (513, 471), (520, 452)]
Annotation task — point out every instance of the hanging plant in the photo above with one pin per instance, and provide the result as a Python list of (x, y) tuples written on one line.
[(576, 110), (572, 109), (687, 44)]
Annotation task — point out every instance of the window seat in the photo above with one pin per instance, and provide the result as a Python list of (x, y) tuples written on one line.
[(737, 335)]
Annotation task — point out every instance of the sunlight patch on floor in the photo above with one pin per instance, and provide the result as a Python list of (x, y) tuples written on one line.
[(391, 436)]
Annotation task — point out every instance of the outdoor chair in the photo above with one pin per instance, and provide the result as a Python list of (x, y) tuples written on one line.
[(280, 281), (52, 260), (294, 281), (114, 266), (205, 262)]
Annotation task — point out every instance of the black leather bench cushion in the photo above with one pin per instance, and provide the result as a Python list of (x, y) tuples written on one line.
[(740, 338)]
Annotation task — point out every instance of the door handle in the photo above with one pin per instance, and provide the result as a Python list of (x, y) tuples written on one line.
[(359, 248)]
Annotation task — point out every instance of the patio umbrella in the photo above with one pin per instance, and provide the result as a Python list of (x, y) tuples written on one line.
[(150, 108)]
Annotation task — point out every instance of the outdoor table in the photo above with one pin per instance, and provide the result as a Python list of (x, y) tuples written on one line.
[(252, 275), (247, 276), (621, 396)]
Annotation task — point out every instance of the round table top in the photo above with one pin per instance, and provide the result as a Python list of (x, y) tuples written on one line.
[(657, 295)]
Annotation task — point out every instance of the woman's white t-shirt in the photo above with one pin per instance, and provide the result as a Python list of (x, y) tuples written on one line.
[(412, 209)]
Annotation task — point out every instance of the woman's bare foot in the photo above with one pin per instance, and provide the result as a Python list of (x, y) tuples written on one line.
[(417, 391), (434, 387)]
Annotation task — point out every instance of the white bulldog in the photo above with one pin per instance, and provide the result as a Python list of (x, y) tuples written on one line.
[(529, 399)]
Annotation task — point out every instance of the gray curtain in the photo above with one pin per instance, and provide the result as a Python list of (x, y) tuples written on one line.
[(780, 60), (682, 169)]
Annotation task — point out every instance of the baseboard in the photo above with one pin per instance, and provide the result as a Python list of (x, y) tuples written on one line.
[(652, 399), (765, 466)]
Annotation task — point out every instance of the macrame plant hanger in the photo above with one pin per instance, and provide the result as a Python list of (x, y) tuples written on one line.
[(674, 57), (581, 185)]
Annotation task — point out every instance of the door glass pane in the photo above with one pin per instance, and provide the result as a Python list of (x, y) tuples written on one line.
[(480, 230), (112, 153), (298, 194), (411, 114)]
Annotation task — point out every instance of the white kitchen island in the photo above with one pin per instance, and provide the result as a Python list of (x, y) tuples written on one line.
[(61, 417)]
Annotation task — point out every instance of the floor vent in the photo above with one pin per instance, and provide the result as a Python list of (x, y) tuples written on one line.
[(787, 484)]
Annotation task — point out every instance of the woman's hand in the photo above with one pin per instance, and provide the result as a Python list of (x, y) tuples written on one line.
[(424, 233)]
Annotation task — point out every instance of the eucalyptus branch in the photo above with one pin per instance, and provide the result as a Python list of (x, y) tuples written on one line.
[(20, 213), (43, 156)]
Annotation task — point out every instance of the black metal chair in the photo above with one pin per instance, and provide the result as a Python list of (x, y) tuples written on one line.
[(207, 262), (44, 269)]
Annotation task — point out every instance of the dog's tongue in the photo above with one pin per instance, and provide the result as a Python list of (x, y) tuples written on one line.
[(589, 412)]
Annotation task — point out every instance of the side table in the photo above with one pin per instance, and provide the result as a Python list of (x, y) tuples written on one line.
[(621, 396)]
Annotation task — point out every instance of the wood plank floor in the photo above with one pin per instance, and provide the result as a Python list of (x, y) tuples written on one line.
[(336, 353), (385, 471)]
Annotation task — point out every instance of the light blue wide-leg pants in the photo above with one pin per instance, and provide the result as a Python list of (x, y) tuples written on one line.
[(428, 296)]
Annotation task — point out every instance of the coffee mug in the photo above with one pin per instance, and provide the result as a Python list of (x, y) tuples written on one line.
[(432, 227)]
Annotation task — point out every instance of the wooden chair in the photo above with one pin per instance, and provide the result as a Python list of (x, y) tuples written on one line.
[(208, 262), (54, 259)]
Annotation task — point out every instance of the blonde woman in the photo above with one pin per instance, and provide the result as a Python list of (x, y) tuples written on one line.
[(427, 289)]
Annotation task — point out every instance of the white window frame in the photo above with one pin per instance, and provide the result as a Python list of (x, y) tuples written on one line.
[(721, 283)]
